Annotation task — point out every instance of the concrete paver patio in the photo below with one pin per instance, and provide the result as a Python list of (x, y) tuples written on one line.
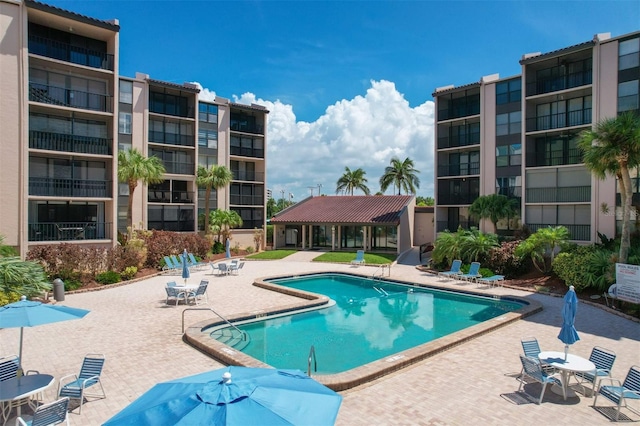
[(472, 383)]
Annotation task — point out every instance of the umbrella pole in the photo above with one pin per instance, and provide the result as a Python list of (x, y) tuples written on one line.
[(19, 373), (566, 350)]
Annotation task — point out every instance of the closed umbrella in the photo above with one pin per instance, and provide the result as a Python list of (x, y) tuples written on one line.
[(568, 334), (235, 396), (228, 248), (27, 313), (185, 266)]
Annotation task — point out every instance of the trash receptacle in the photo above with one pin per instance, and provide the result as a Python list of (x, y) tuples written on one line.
[(58, 290)]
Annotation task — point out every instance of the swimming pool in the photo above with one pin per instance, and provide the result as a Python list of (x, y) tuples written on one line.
[(373, 327)]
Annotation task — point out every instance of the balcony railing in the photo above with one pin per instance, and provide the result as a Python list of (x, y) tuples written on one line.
[(576, 232), (248, 176), (70, 98), (246, 200), (457, 199), (66, 52), (510, 191), (171, 138), (443, 225), (257, 129), (68, 231), (557, 121), (567, 194), (554, 84), (458, 169), (161, 196), (179, 168), (247, 152), (457, 140), (54, 187), (554, 158), (460, 110), (69, 143)]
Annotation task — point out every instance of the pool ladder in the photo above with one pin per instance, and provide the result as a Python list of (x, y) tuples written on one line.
[(381, 291), (312, 355), (242, 333), (380, 270)]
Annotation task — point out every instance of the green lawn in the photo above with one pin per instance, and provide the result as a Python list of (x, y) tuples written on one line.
[(271, 254), (346, 257)]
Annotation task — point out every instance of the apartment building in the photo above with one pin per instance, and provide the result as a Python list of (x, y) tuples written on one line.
[(65, 114), (516, 136), (58, 141)]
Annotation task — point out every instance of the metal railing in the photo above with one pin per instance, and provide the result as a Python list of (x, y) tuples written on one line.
[(560, 120), (246, 200), (560, 82), (554, 158), (247, 152), (248, 176), (459, 169), (246, 128), (568, 194), (54, 187), (576, 232), (70, 98), (243, 333), (171, 138), (312, 355), (69, 143), (66, 52), (69, 231)]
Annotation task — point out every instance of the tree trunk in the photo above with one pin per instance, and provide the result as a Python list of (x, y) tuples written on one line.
[(207, 194), (626, 195), (132, 188)]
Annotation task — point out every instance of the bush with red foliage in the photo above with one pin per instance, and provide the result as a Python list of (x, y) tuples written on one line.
[(165, 243), (503, 261)]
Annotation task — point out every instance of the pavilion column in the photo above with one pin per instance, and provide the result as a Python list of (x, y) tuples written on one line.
[(304, 234), (333, 237), (310, 237)]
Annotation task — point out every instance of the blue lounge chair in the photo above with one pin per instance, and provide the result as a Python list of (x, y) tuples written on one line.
[(455, 269), (491, 281), (53, 413), (194, 263), (176, 261), (532, 368), (169, 266), (89, 376), (619, 393), (359, 260), (603, 359), (473, 274)]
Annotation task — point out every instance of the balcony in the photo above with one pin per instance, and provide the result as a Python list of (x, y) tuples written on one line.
[(179, 168), (510, 191), (248, 176), (69, 231), (69, 143), (443, 225), (445, 142), (463, 169), (66, 52), (162, 196), (54, 187), (257, 129), (557, 83), (246, 200), (247, 152), (69, 98), (576, 232), (558, 121), (568, 194), (554, 158), (171, 138), (457, 199)]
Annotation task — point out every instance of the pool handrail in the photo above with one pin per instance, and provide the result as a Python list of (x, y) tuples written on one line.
[(244, 334), (312, 354)]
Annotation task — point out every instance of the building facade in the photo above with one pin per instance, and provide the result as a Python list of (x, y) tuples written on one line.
[(517, 136), (65, 114)]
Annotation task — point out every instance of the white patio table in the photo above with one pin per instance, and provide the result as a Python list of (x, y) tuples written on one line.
[(572, 364)]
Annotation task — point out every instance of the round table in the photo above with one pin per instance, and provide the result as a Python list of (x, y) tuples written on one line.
[(573, 364)]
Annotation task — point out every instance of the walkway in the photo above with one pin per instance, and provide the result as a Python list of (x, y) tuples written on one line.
[(471, 383)]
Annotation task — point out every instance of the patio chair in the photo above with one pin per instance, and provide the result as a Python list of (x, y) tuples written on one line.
[(88, 377), (200, 292), (223, 269), (235, 268), (455, 269), (176, 294), (491, 281), (603, 360), (169, 265), (53, 413), (194, 263), (176, 261), (532, 368), (620, 393), (531, 349), (359, 260), (171, 284), (473, 274), (9, 366)]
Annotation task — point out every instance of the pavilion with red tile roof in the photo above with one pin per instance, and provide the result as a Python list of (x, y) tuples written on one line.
[(331, 222)]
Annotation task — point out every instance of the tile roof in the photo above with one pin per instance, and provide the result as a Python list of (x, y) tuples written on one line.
[(357, 209), (72, 15), (554, 53)]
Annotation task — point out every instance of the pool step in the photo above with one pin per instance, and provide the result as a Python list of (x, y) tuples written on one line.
[(230, 337)]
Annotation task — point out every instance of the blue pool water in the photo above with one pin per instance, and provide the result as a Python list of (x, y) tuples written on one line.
[(370, 320)]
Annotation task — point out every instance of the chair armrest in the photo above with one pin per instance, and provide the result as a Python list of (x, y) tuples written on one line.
[(20, 422), (88, 379), (63, 378), (32, 372), (613, 381)]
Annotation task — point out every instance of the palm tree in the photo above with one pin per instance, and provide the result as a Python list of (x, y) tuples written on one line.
[(134, 167), (351, 180), (223, 221), (401, 174), (543, 246), (215, 177), (493, 207), (613, 148)]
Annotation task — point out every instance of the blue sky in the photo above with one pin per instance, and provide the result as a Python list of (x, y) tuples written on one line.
[(347, 83)]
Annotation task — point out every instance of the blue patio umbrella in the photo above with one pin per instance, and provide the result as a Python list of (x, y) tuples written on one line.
[(568, 334), (185, 266), (228, 247), (27, 313), (235, 396)]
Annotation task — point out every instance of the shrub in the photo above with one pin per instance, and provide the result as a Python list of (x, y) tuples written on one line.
[(249, 249), (486, 272), (217, 248), (588, 267), (164, 243), (109, 277), (129, 272), (504, 261), (543, 246), (235, 249)]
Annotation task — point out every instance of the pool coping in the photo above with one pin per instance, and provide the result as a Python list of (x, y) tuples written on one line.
[(195, 335)]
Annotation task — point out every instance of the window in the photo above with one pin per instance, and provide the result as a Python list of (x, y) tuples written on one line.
[(124, 123), (208, 138), (508, 91), (126, 92), (208, 113), (207, 161), (509, 123), (509, 155), (628, 96), (629, 54)]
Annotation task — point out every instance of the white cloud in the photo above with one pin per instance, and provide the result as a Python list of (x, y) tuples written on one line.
[(365, 132), (205, 94)]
